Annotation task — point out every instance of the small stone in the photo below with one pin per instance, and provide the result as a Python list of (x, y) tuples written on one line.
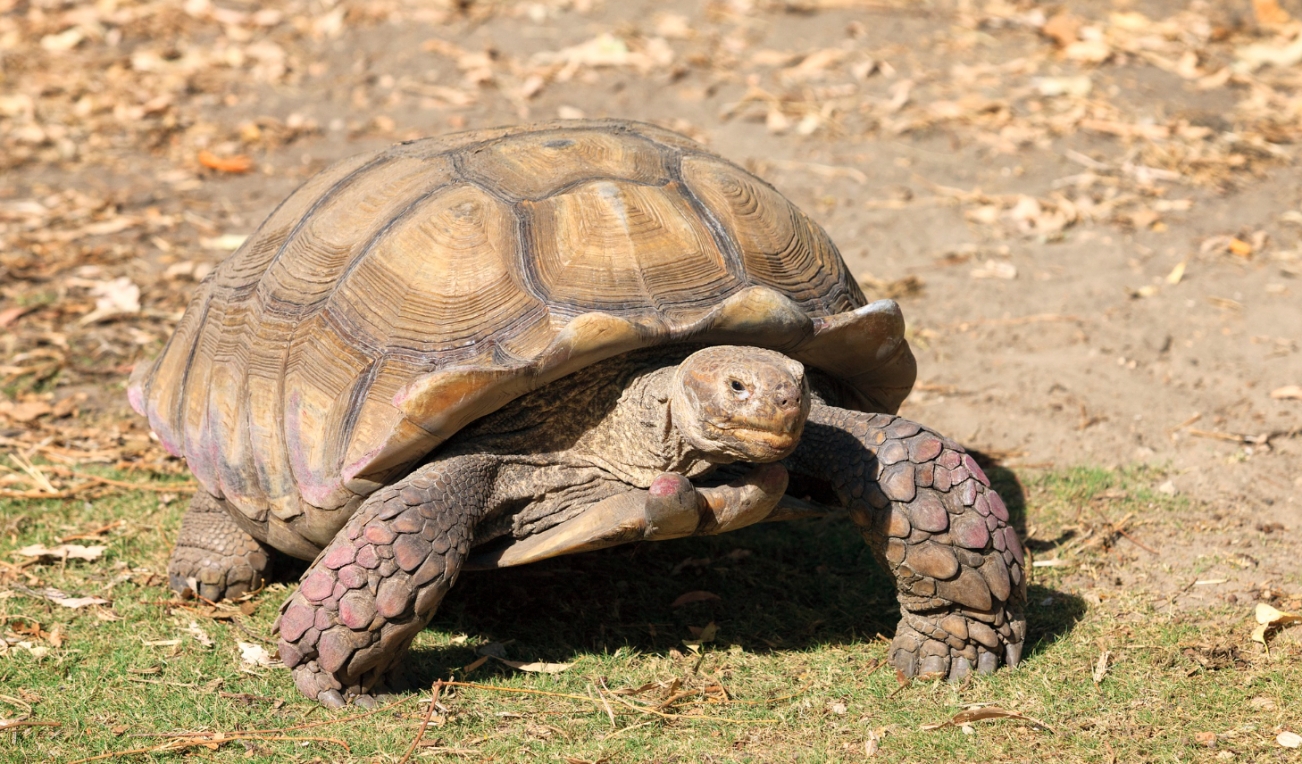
[(967, 492), (955, 624), (969, 589), (892, 451), (1014, 545), (983, 634), (356, 610), (408, 522), (895, 550), (317, 586), (941, 479), (969, 531), (409, 551), (996, 577), (367, 558), (925, 474), (353, 577), (997, 506), (339, 556), (394, 596), (924, 448), (976, 470), (932, 560), (296, 620), (928, 513), (898, 525), (897, 482), (902, 428)]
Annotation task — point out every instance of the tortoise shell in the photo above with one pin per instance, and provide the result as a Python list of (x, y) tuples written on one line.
[(399, 295)]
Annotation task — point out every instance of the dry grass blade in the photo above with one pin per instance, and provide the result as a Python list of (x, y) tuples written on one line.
[(436, 690), (986, 712), (211, 742)]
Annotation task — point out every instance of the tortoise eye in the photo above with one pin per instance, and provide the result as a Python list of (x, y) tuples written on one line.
[(739, 389)]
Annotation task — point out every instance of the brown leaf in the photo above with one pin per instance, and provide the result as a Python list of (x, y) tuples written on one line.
[(24, 412), (64, 551), (1063, 29), (234, 164), (536, 666), (10, 315), (696, 596)]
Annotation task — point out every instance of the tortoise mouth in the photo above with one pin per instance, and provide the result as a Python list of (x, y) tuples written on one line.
[(763, 443)]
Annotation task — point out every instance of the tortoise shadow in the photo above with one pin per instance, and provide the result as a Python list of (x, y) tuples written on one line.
[(769, 587)]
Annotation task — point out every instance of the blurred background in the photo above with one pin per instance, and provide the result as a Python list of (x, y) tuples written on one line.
[(1089, 211)]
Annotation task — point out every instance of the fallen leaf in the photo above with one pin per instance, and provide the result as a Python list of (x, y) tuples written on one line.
[(10, 315), (64, 551), (1289, 739), (986, 712), (1269, 13), (1240, 248), (1268, 619), (24, 412), (536, 667), (1287, 392), (228, 242), (1205, 738), (232, 164), (76, 602), (1063, 29), (696, 596), (116, 297), (1101, 667), (995, 269), (199, 634), (255, 655)]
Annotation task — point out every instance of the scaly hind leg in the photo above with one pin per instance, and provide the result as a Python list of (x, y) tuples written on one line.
[(376, 586), (214, 557), (933, 521)]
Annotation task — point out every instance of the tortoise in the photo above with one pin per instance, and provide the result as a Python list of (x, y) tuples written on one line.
[(499, 346)]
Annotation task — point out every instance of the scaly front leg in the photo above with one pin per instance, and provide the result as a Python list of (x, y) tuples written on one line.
[(933, 521)]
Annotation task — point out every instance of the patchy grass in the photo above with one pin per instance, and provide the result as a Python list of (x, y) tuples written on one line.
[(793, 674)]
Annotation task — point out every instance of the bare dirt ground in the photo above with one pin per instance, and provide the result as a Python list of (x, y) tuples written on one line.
[(1088, 210)]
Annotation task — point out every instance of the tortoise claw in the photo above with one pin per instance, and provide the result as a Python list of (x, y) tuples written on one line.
[(366, 701), (959, 668), (987, 662), (934, 664), (1013, 654), (331, 699)]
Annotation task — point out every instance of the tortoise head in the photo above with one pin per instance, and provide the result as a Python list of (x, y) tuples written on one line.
[(740, 403)]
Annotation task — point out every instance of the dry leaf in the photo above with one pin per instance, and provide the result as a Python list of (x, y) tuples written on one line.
[(199, 634), (1289, 739), (1101, 668), (1269, 13), (995, 269), (233, 164), (696, 596), (1287, 392), (116, 297), (1268, 619), (255, 655), (986, 712), (536, 667), (24, 412), (59, 598), (1063, 29), (64, 551)]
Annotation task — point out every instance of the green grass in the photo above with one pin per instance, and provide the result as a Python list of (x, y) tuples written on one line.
[(799, 612)]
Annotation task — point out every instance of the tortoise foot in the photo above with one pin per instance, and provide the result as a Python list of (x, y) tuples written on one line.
[(346, 630), (955, 644), (214, 558)]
